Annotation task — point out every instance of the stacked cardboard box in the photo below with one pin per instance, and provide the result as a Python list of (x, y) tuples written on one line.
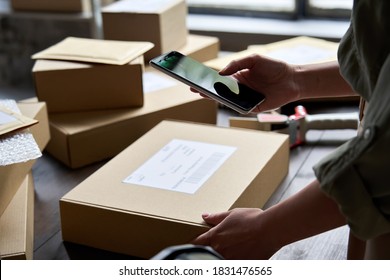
[(79, 74), (16, 186), (103, 134), (96, 110), (162, 22)]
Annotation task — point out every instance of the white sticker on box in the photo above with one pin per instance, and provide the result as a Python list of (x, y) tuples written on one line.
[(181, 165)]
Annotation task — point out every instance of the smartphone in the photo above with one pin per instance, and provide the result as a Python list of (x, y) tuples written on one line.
[(209, 82)]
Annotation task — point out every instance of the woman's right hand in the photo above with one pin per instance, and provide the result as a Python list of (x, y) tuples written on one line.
[(273, 78)]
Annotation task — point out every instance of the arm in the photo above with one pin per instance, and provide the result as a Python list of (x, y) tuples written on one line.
[(283, 83), (255, 234)]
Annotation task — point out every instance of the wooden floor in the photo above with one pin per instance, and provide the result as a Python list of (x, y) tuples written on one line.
[(53, 179)]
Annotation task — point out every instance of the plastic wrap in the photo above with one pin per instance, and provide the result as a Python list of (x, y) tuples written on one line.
[(18, 146)]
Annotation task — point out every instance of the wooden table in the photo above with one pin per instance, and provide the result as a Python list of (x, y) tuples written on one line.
[(53, 180)]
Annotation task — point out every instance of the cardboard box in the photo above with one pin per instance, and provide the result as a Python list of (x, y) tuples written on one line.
[(11, 176), (72, 6), (163, 22), (17, 224), (201, 48), (68, 86), (139, 220), (297, 50), (79, 139), (41, 131)]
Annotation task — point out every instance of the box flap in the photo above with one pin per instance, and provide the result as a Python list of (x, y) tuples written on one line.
[(95, 50), (11, 120)]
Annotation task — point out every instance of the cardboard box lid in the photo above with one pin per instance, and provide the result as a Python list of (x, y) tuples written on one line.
[(141, 6), (297, 50), (16, 224), (95, 50), (11, 121), (61, 65), (220, 192)]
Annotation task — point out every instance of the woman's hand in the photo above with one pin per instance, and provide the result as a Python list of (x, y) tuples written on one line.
[(251, 233), (238, 234), (273, 78), (282, 83)]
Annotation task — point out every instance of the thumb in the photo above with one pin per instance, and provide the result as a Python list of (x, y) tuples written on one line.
[(239, 64), (214, 219)]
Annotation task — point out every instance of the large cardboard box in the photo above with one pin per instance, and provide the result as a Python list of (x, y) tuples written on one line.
[(162, 22), (201, 48), (11, 176), (17, 224), (74, 6), (79, 139), (152, 194), (68, 86), (296, 50)]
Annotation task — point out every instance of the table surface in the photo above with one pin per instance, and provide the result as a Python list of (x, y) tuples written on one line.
[(52, 180)]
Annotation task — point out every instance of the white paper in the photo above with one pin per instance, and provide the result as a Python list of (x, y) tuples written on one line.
[(181, 165), (5, 118), (153, 82)]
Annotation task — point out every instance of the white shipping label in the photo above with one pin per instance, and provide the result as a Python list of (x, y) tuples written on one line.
[(181, 165)]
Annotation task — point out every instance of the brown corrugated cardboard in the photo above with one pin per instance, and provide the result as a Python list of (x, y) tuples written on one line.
[(79, 139), (17, 224), (106, 213), (163, 23), (201, 48), (74, 6), (11, 176), (75, 86)]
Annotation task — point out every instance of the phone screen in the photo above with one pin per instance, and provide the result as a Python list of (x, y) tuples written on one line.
[(208, 81)]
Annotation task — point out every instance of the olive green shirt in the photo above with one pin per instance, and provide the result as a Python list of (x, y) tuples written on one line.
[(356, 174)]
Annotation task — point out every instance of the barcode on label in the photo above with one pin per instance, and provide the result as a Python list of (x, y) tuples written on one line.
[(204, 169)]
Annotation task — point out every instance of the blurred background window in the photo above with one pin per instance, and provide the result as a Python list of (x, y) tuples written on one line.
[(290, 9)]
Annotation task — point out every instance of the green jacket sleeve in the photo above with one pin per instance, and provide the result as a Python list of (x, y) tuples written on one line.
[(356, 174)]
